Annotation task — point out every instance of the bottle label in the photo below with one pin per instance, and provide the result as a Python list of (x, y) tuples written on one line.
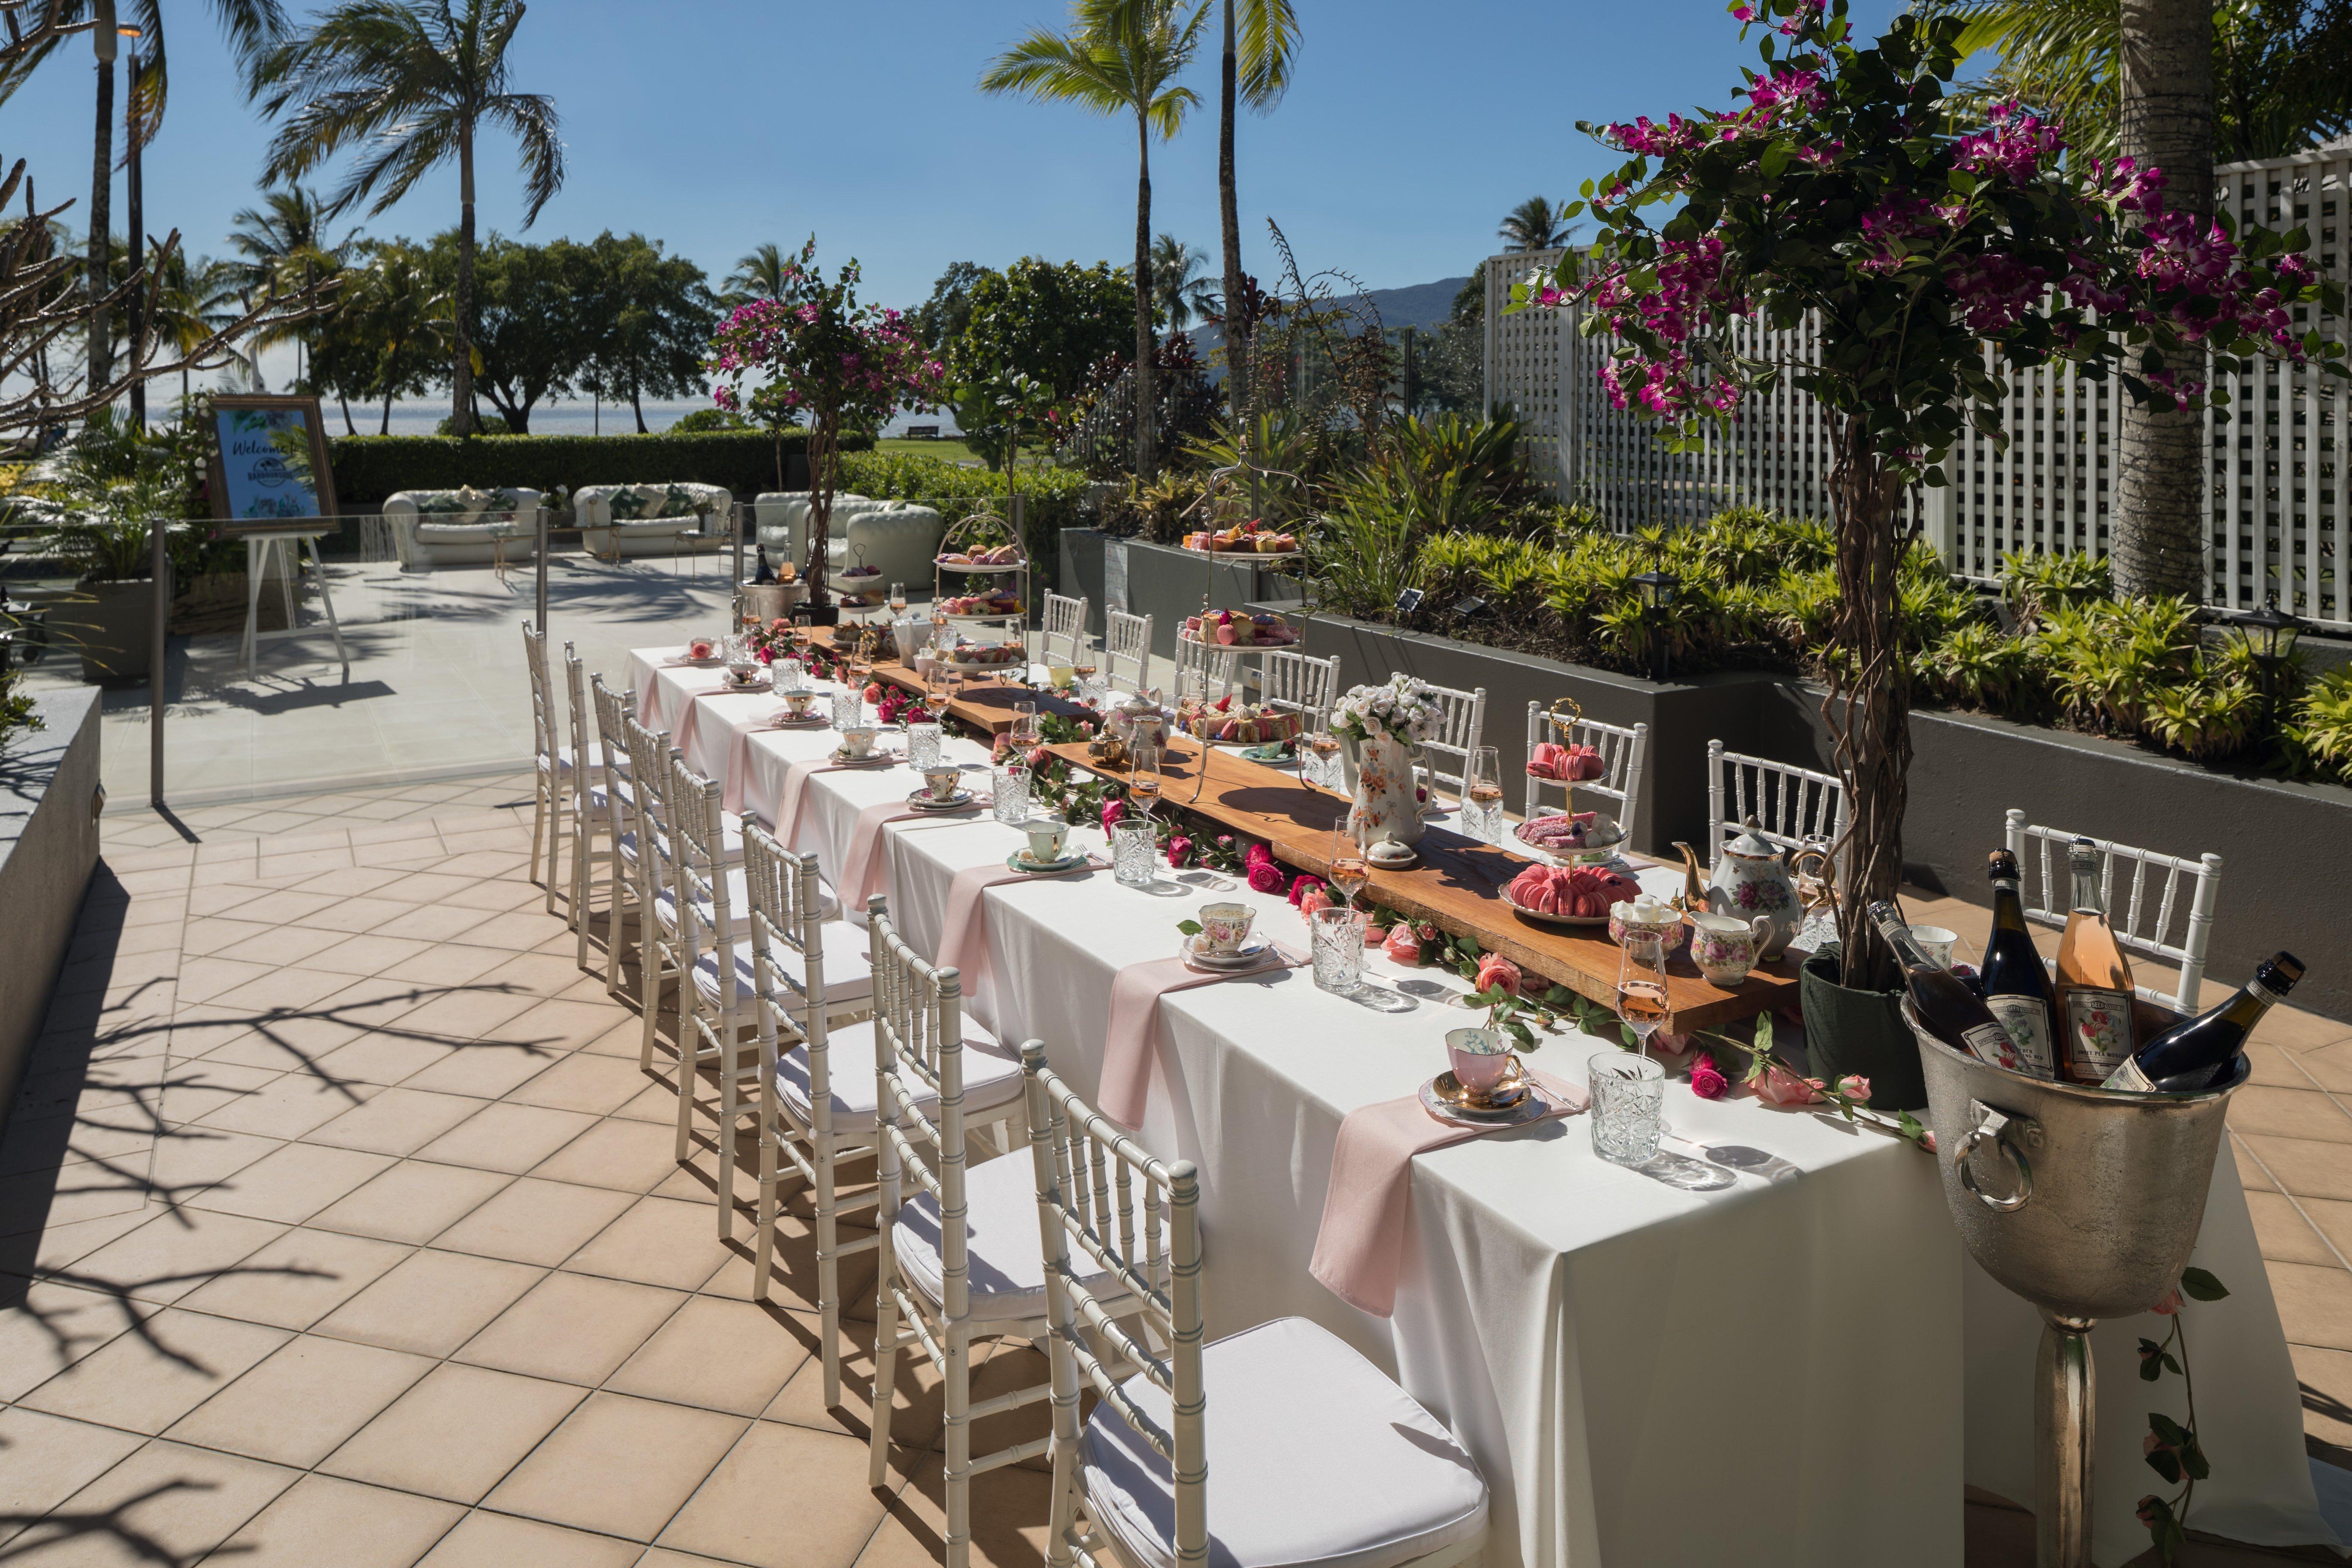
[(2027, 1023), (1991, 1043), (2099, 1025), (2129, 1079)]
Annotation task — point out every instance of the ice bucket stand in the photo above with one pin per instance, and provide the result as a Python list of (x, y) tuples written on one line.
[(2085, 1204)]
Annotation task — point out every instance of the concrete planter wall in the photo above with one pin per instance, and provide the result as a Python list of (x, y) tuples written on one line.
[(1157, 579), (48, 847), (2287, 849)]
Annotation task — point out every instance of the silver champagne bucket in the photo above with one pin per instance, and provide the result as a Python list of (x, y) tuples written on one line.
[(2087, 1204)]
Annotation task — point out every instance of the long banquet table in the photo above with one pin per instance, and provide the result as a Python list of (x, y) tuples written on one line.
[(1769, 1373)]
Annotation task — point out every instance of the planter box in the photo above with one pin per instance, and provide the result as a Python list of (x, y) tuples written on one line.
[(113, 626), (1161, 581), (2287, 849), (48, 847)]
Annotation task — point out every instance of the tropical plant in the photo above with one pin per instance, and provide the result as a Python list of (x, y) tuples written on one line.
[(1837, 193), (1181, 293), (697, 420), (758, 275), (412, 84), (190, 303), (651, 317), (402, 317), (822, 356), (280, 248), (1535, 224), (1120, 57), (1260, 45), (2318, 737)]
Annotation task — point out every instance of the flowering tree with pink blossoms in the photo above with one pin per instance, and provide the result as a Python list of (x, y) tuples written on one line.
[(825, 359), (1935, 259)]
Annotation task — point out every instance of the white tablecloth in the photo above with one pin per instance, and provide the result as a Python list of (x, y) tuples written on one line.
[(1770, 1373)]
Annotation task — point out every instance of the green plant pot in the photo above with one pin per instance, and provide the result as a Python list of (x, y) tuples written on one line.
[(1861, 1032), (112, 625)]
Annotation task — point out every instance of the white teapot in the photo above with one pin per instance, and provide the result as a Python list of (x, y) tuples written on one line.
[(1751, 882), (1138, 720)]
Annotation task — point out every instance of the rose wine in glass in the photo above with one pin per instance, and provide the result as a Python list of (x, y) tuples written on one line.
[(898, 599), (1482, 794), (1144, 779), (1641, 985), (1350, 874), (1326, 746)]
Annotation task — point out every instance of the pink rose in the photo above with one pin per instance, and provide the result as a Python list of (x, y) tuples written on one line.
[(1404, 947), (2167, 1304), (1779, 1086), (1312, 900), (873, 692), (1705, 1081), (1039, 756), (1854, 1087), (1266, 876), (1497, 973), (1927, 1139), (1179, 851), (1677, 1043), (1112, 811), (1302, 886)]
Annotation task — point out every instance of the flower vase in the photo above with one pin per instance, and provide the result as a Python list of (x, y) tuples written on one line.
[(1380, 782)]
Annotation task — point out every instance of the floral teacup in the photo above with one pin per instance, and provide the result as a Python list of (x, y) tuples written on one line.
[(1224, 927), (942, 782), (1726, 948), (1662, 919), (857, 741), (1483, 1061)]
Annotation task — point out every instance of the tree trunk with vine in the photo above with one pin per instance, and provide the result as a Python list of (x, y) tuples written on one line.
[(823, 441), (1869, 705), (1146, 406)]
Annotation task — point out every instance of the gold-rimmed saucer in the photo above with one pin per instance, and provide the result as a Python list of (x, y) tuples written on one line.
[(1445, 1097)]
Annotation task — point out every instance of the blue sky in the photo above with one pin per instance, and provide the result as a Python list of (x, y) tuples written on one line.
[(716, 124)]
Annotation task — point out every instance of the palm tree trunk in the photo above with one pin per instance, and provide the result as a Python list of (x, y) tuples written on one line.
[(2167, 121), (101, 186), (461, 369), (1145, 454), (1228, 213)]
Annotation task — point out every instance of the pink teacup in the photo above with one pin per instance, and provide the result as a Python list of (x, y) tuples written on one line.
[(1225, 927), (1483, 1061)]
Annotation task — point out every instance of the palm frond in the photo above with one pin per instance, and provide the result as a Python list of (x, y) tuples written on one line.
[(1265, 48), (531, 116)]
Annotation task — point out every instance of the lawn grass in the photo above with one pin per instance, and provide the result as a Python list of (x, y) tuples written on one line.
[(952, 450)]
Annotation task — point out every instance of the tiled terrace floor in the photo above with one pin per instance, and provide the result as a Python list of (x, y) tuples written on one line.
[(338, 1225)]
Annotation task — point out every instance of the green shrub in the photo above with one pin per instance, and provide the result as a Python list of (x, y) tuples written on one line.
[(369, 467), (2318, 733), (1050, 495), (702, 419)]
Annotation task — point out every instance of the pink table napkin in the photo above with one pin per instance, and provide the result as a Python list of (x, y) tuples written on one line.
[(861, 874), (1135, 994), (964, 943), (736, 776), (1361, 1246), (788, 807)]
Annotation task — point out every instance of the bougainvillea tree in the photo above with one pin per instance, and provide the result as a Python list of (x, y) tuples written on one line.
[(1935, 259), (822, 358)]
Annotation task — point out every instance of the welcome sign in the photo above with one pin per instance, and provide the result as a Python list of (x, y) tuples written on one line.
[(269, 460)]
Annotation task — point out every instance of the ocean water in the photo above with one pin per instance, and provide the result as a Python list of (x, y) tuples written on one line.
[(567, 418)]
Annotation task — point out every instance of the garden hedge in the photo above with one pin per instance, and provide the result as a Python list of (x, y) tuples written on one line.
[(369, 467), (1051, 494)]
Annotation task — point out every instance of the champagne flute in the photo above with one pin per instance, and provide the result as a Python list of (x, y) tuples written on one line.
[(1641, 985), (1482, 794), (898, 600), (1350, 872), (1143, 778)]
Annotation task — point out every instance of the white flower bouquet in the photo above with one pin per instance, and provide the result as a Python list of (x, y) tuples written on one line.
[(1402, 710)]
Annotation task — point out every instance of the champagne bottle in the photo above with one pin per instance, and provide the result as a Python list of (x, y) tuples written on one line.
[(765, 574), (2014, 984), (1953, 1013), (2187, 1057), (2094, 979)]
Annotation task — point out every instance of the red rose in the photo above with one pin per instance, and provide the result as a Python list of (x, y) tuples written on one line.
[(1266, 876), (1706, 1081), (1304, 886), (1111, 812), (1258, 855), (1179, 851)]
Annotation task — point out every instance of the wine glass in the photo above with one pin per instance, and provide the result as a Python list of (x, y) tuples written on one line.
[(1325, 745), (1143, 778), (898, 600), (1641, 985), (1482, 795), (1350, 872), (1025, 724)]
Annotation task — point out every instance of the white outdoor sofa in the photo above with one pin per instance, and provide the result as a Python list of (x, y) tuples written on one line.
[(898, 537), (646, 519), (456, 528)]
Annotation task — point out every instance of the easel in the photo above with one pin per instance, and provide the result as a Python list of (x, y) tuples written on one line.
[(282, 542)]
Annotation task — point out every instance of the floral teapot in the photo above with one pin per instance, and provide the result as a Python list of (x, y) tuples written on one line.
[(1751, 882), (1139, 721)]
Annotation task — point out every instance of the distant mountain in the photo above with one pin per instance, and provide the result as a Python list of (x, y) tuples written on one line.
[(1415, 305)]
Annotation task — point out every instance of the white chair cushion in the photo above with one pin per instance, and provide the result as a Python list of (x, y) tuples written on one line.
[(1005, 1262), (1315, 1457), (992, 1075), (848, 965)]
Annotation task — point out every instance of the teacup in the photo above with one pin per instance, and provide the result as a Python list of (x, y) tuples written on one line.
[(700, 648), (1224, 927), (1725, 947), (796, 703), (942, 782), (857, 741), (1663, 920), (1046, 837), (1483, 1061)]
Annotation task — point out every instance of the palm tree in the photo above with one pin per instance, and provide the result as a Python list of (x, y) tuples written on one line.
[(192, 301), (759, 276), (1177, 285), (412, 82), (1256, 66), (1119, 57), (1534, 225), (403, 320), (282, 246)]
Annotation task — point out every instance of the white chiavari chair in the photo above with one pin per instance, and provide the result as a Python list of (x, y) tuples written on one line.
[(1622, 751), (1064, 630), (622, 886), (2145, 914), (1789, 804), (702, 914), (959, 1246), (649, 850), (1461, 728), (1291, 682), (1320, 1456), (1208, 669), (551, 763), (1126, 644), (594, 778)]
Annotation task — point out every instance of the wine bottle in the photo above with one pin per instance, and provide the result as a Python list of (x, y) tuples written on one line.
[(2187, 1057), (2013, 982), (765, 574), (2095, 979), (1953, 1013)]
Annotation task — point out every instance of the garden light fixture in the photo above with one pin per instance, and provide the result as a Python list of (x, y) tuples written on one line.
[(2260, 630), (1657, 590)]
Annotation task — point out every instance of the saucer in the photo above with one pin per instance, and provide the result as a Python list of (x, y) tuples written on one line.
[(878, 759), (783, 720), (1276, 752), (679, 661), (735, 688), (1448, 1088), (1019, 861), (921, 801), (1528, 1106), (1253, 953)]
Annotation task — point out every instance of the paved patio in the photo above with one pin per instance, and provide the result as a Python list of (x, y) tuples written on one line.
[(338, 1223)]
